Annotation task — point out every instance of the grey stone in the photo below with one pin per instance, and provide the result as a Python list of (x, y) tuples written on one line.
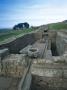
[(25, 50), (4, 53), (65, 73), (33, 52)]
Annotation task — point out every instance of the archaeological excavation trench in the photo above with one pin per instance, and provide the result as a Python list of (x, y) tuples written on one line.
[(54, 49), (38, 83), (58, 44), (43, 76), (20, 43)]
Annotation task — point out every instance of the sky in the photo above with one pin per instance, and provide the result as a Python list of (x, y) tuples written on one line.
[(35, 12)]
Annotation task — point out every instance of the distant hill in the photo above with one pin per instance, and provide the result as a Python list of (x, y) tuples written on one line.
[(5, 30), (54, 26), (58, 26)]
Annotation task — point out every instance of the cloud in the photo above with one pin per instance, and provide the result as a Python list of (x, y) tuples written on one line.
[(46, 14), (37, 14)]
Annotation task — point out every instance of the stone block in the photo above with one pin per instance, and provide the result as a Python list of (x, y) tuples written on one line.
[(65, 74), (4, 53), (52, 73), (25, 50)]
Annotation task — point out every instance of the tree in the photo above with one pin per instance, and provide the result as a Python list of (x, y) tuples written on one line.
[(21, 26), (26, 25)]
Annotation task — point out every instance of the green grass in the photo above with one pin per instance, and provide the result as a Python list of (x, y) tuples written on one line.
[(57, 26), (13, 33)]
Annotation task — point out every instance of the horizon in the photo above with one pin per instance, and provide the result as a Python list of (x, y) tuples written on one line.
[(29, 24), (36, 12)]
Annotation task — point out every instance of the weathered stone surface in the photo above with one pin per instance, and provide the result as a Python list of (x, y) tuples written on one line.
[(46, 72), (8, 83), (65, 73), (4, 53), (51, 71), (13, 65), (48, 83), (33, 52), (48, 54), (25, 50), (61, 43)]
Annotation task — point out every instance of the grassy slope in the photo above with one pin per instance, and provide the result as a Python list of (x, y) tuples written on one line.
[(12, 33), (57, 26)]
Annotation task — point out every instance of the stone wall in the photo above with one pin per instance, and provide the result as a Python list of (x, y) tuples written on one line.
[(61, 43), (26, 79), (52, 36), (38, 35), (49, 76), (58, 42)]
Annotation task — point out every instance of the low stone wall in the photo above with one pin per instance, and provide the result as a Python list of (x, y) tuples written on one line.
[(47, 83), (4, 53), (61, 43), (26, 79), (58, 42), (52, 36), (49, 76)]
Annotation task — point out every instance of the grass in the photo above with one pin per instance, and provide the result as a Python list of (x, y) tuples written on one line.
[(13, 33), (57, 26)]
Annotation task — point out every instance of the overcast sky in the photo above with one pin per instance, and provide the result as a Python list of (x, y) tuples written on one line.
[(35, 12)]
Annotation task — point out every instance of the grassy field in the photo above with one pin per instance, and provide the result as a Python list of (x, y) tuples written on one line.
[(7, 33), (12, 33), (57, 26)]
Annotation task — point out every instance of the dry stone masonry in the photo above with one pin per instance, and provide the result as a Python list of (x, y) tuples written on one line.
[(39, 65)]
